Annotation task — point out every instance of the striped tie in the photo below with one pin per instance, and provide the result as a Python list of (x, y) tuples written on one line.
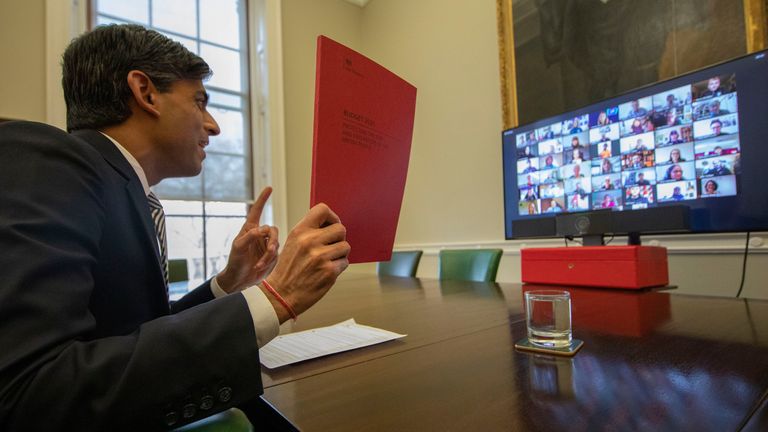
[(158, 217)]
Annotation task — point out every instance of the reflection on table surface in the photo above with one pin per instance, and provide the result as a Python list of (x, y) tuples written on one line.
[(652, 360)]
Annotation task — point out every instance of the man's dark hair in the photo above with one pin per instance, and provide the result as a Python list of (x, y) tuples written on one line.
[(96, 65)]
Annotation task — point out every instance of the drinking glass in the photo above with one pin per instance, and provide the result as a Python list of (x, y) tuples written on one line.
[(548, 318)]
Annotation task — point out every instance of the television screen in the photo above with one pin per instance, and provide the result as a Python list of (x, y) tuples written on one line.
[(698, 140)]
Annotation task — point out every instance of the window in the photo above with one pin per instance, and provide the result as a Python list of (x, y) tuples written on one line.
[(204, 213)]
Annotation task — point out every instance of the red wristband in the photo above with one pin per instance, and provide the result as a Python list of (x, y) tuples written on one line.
[(280, 298)]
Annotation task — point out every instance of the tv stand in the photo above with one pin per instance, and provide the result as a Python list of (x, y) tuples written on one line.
[(633, 239), (593, 240)]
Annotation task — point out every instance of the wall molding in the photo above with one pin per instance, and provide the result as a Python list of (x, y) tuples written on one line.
[(685, 244)]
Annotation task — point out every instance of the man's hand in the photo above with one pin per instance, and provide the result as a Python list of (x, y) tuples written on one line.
[(315, 254), (254, 251)]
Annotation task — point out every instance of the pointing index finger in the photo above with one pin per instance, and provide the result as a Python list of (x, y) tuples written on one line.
[(254, 214)]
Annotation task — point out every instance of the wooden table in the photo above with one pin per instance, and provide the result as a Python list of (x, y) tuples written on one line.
[(652, 360)]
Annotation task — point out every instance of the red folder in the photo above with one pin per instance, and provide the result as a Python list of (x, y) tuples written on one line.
[(362, 143)]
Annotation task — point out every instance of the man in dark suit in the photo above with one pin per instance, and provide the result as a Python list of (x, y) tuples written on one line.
[(89, 340)]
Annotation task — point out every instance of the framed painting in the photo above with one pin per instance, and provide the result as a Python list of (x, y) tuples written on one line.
[(558, 55)]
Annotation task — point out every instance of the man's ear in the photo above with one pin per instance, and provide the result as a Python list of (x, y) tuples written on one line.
[(144, 92)]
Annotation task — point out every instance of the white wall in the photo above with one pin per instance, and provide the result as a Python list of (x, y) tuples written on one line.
[(22, 50)]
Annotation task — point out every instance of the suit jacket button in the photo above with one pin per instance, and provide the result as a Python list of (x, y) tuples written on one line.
[(189, 411), (171, 417), (225, 394), (206, 402)]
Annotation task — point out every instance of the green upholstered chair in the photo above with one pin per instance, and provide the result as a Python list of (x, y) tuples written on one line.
[(256, 414), (231, 420), (479, 265), (403, 264), (177, 270)]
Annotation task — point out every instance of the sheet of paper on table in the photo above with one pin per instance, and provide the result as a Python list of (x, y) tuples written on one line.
[(309, 344)]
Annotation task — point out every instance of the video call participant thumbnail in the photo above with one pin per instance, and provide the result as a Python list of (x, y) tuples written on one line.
[(714, 86), (577, 202), (638, 196), (526, 208), (607, 200), (676, 191), (712, 187), (676, 172), (553, 205)]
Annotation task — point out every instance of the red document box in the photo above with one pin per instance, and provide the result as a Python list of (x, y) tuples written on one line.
[(630, 267)]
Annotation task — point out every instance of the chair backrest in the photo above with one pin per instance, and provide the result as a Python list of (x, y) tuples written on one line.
[(177, 270), (479, 265), (403, 263)]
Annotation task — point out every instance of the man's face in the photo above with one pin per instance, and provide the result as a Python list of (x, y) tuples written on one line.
[(183, 129), (716, 128), (635, 105), (713, 83)]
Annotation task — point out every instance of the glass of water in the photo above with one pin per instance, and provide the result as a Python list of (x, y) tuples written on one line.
[(548, 317)]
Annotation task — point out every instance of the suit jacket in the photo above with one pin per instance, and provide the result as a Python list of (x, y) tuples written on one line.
[(88, 340)]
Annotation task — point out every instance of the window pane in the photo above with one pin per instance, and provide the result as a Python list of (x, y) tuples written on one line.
[(182, 208), (102, 20), (215, 208), (226, 178), (178, 16), (220, 21), (220, 232), (230, 140), (190, 44), (226, 99), (226, 67), (187, 188), (136, 10), (185, 241)]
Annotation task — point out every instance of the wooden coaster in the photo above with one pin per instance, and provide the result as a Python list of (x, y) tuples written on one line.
[(525, 345)]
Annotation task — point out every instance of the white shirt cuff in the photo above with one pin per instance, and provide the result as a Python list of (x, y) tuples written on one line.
[(265, 321), (216, 289)]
